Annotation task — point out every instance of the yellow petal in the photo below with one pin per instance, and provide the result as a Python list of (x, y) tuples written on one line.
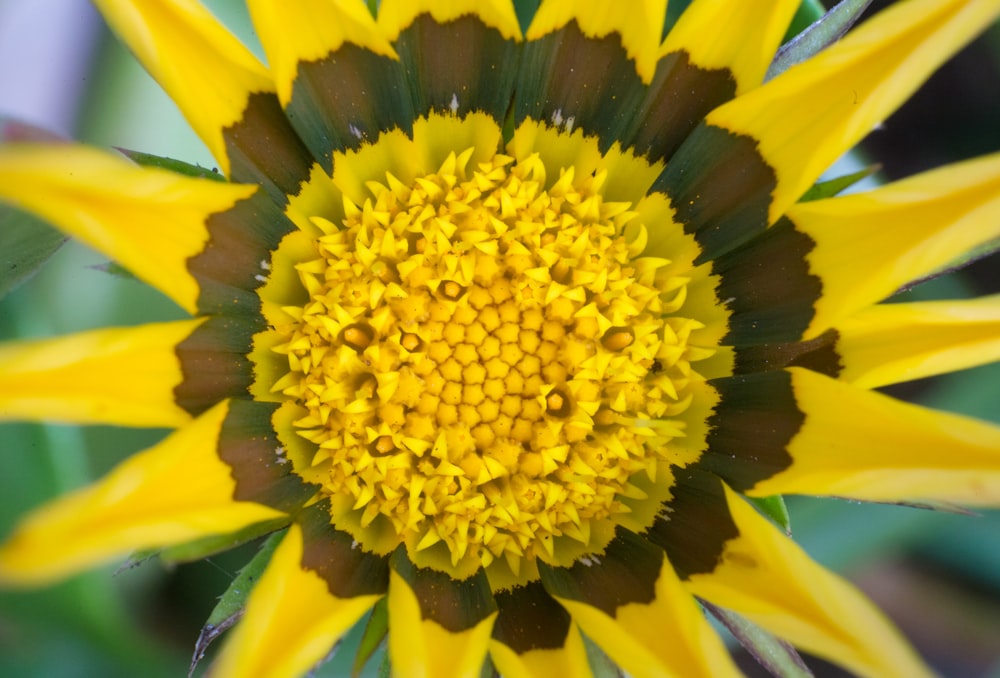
[(174, 492), (121, 376), (208, 73), (639, 27), (769, 579), (807, 117), (891, 343), (395, 15), (865, 445), (453, 644), (740, 37), (629, 600), (149, 220), (292, 619), (870, 244), (297, 32)]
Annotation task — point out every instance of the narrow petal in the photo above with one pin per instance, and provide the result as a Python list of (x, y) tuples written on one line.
[(101, 199), (738, 37), (438, 626), (225, 93), (807, 117), (868, 245), (176, 491), (295, 615), (890, 343), (534, 636), (630, 601), (120, 376), (865, 445), (765, 576)]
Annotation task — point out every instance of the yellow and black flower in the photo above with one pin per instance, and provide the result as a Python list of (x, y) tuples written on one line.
[(503, 318)]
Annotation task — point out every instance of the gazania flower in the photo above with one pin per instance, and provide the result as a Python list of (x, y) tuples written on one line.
[(502, 319)]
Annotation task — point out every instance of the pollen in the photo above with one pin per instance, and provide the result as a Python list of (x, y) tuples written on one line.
[(480, 364)]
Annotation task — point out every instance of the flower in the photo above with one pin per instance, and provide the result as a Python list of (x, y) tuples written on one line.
[(504, 323)]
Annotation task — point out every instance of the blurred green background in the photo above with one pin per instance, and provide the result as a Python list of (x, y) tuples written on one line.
[(936, 574)]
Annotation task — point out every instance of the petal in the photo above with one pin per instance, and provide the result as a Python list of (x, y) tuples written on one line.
[(896, 233), (458, 56), (738, 37), (120, 376), (203, 68), (629, 601), (638, 29), (535, 636), (581, 56), (295, 614), (865, 445), (890, 343), (176, 491), (225, 93), (100, 199), (438, 626), (766, 577), (807, 117)]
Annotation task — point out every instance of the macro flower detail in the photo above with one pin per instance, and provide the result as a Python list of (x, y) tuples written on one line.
[(503, 319)]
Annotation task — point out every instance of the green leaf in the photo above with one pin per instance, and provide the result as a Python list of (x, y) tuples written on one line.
[(774, 508), (209, 546), (26, 243), (809, 12), (821, 34), (178, 166), (774, 654), (233, 602), (601, 664), (376, 630), (831, 187)]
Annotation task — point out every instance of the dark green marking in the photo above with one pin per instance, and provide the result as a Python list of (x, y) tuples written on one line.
[(750, 430), (457, 605), (695, 525), (819, 355), (530, 619), (264, 149), (625, 573), (348, 570), (720, 189), (251, 449), (459, 66), (214, 362), (768, 287)]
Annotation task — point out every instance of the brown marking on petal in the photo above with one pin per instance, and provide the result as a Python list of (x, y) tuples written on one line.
[(695, 524), (679, 97), (819, 355), (530, 619), (348, 570), (768, 287), (626, 572), (250, 447), (720, 188), (455, 604), (459, 66), (264, 149), (214, 362), (751, 427), (229, 269), (571, 81)]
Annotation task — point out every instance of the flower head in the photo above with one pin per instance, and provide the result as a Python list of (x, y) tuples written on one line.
[(502, 320)]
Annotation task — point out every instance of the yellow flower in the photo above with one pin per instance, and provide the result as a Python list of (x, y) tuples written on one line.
[(503, 323)]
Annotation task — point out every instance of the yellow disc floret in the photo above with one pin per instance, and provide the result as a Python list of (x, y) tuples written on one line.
[(485, 363)]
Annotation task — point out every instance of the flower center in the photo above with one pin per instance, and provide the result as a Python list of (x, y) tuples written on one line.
[(483, 364)]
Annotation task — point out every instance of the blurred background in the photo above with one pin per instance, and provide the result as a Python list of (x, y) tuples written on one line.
[(936, 574)]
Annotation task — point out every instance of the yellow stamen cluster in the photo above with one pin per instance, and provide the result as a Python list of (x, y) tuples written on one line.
[(485, 362)]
